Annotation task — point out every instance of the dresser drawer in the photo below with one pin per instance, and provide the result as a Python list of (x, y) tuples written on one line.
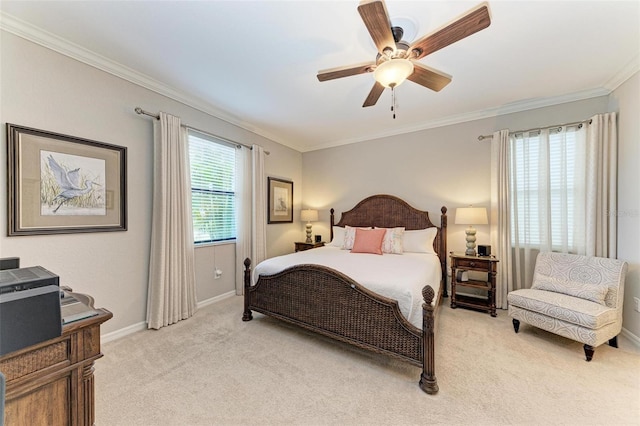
[(27, 362)]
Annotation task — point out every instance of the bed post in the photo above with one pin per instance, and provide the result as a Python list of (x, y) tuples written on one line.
[(428, 382), (247, 316), (443, 249), (331, 223)]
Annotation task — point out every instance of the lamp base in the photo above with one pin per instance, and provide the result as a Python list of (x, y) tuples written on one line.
[(471, 241), (308, 240)]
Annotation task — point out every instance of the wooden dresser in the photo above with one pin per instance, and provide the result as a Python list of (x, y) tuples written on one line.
[(51, 383)]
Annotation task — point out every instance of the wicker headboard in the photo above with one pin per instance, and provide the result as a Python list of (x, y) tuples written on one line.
[(387, 211)]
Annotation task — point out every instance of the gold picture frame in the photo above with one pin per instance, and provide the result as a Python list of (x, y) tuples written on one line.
[(280, 208), (60, 184)]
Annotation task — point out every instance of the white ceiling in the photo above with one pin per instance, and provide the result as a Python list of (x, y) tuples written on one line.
[(254, 63)]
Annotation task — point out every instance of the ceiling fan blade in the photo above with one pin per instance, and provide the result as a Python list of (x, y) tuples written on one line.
[(374, 95), (472, 22), (428, 77), (347, 71), (376, 19)]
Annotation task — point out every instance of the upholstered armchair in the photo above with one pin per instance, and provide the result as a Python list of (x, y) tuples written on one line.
[(578, 297)]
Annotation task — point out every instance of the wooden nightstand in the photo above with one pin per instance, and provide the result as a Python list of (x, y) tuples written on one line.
[(461, 262), (302, 246)]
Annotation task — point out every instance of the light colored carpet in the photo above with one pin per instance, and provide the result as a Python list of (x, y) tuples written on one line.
[(215, 369)]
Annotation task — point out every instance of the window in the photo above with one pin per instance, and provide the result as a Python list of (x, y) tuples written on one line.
[(213, 171), (546, 189)]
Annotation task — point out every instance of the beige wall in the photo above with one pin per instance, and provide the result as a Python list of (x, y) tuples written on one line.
[(46, 90), (626, 101), (431, 168)]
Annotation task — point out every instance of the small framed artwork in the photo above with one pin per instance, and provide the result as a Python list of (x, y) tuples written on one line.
[(59, 184), (280, 208)]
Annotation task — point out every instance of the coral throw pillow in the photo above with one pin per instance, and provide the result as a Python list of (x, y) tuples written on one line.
[(368, 241)]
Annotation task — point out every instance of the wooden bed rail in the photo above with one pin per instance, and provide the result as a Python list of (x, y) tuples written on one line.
[(421, 355)]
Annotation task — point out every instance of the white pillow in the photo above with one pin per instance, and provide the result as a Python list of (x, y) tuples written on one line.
[(349, 237), (393, 240), (420, 241), (338, 237)]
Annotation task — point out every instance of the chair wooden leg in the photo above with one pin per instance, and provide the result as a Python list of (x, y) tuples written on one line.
[(516, 324), (613, 342), (588, 352)]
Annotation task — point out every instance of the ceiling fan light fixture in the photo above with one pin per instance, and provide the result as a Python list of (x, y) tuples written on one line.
[(393, 72)]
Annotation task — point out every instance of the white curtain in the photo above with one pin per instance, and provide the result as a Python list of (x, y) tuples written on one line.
[(601, 186), (251, 210), (500, 227), (172, 291)]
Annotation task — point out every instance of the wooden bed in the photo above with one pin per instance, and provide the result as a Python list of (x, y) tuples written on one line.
[(328, 302)]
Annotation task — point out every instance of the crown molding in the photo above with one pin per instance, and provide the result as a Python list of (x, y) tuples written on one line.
[(474, 115), (632, 67), (39, 36)]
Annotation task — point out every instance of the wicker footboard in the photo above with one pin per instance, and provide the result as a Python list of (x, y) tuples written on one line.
[(330, 303)]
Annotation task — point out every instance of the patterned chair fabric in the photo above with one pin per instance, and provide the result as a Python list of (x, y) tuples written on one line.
[(578, 297)]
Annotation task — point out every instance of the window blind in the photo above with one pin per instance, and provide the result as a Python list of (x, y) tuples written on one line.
[(544, 182), (213, 170)]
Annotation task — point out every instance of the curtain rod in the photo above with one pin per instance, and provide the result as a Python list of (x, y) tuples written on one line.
[(139, 110), (559, 126)]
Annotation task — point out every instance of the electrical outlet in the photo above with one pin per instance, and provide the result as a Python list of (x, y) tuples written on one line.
[(218, 274), (637, 302)]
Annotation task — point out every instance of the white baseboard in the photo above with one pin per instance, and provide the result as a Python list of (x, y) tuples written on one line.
[(629, 335), (215, 299), (115, 335)]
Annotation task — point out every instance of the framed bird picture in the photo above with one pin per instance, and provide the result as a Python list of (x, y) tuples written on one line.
[(60, 184), (280, 204)]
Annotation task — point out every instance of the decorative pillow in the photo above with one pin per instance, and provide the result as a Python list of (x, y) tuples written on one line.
[(338, 237), (349, 237), (420, 241), (393, 239), (368, 241), (593, 293)]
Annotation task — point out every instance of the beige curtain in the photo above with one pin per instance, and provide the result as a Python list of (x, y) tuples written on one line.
[(500, 226), (259, 224), (601, 186), (251, 210), (172, 291)]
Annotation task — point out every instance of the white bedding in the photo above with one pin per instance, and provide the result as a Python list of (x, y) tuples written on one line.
[(399, 277)]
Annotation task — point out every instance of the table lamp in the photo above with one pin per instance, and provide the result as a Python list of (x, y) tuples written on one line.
[(309, 215), (471, 216)]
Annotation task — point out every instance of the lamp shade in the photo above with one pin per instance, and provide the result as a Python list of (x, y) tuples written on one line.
[(471, 216), (309, 215), (393, 72)]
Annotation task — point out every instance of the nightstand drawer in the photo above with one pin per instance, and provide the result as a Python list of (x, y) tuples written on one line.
[(480, 264)]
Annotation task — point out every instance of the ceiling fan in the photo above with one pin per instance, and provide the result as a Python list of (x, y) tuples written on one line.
[(397, 60)]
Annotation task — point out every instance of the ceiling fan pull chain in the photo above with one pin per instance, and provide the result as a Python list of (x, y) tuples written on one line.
[(393, 102)]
